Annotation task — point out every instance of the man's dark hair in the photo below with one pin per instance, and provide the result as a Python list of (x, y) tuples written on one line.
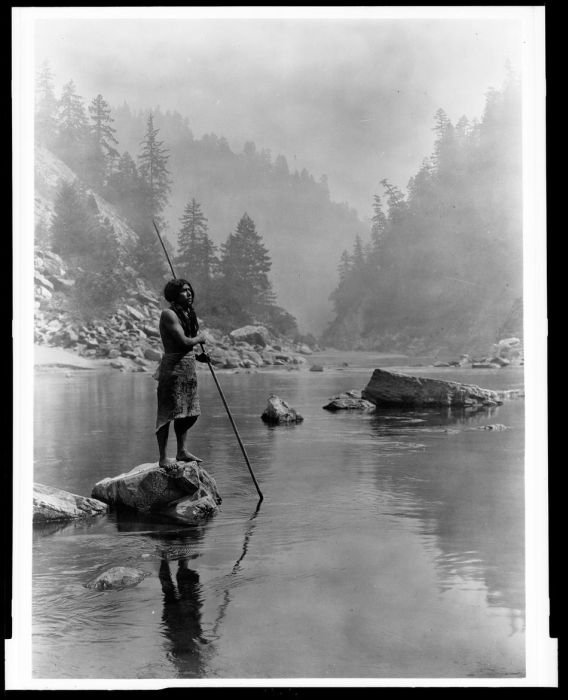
[(174, 287), (188, 318)]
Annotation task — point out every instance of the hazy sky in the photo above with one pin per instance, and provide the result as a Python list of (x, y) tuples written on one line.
[(350, 98)]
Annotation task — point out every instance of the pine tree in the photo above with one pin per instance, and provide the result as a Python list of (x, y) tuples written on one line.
[(395, 200), (69, 221), (344, 268), (154, 186), (378, 231), (72, 118), (125, 189), (72, 139), (102, 153), (358, 257), (445, 144), (245, 264), (196, 252), (153, 169), (123, 184), (45, 107)]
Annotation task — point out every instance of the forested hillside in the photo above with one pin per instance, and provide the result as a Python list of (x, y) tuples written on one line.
[(439, 266), (442, 268), (150, 166), (292, 210)]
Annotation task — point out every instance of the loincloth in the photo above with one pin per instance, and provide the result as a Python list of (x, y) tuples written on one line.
[(177, 388)]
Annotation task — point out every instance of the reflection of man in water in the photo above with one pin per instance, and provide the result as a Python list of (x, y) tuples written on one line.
[(182, 616)]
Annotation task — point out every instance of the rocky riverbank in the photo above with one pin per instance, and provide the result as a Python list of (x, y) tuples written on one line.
[(128, 339)]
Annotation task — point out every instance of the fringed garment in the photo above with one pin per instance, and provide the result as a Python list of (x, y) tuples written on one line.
[(177, 388), (177, 377)]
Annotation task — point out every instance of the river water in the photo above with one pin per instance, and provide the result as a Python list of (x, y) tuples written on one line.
[(388, 544)]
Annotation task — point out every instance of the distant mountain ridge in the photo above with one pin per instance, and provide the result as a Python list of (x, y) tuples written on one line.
[(304, 231)]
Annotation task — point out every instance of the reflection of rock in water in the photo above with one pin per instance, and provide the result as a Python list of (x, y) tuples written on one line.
[(472, 503)]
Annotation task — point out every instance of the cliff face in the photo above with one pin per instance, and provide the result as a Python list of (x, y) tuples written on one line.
[(49, 172)]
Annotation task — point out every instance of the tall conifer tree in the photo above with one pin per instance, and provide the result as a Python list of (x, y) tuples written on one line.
[(154, 184), (45, 107), (102, 152), (196, 252), (153, 169), (245, 264)]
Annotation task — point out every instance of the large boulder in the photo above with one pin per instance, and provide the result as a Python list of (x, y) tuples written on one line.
[(253, 335), (508, 349), (397, 389), (52, 504), (183, 491), (278, 411)]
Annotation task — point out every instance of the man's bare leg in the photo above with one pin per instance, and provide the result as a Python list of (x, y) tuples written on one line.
[(181, 427), (162, 437)]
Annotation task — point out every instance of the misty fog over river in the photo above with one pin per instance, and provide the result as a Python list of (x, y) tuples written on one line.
[(389, 544)]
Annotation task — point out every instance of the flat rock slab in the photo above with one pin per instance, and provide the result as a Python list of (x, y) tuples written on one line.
[(53, 504), (349, 401), (495, 426), (116, 578), (149, 487), (397, 389)]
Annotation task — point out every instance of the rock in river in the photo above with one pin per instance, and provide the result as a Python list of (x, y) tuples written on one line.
[(51, 504), (397, 389), (278, 411), (253, 335), (183, 491), (350, 400), (117, 577)]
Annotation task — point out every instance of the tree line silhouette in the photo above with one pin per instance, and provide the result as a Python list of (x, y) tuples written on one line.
[(443, 262)]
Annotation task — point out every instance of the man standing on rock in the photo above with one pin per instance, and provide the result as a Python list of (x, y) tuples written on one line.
[(178, 400)]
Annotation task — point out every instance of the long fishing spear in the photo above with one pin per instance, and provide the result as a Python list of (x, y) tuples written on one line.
[(216, 381)]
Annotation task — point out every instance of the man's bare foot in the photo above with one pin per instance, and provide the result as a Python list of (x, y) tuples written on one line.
[(166, 462), (186, 456)]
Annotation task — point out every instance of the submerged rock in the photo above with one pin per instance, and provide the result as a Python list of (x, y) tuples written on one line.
[(116, 578), (397, 389), (52, 504), (278, 411), (190, 510), (511, 394), (350, 400), (183, 490), (494, 426)]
